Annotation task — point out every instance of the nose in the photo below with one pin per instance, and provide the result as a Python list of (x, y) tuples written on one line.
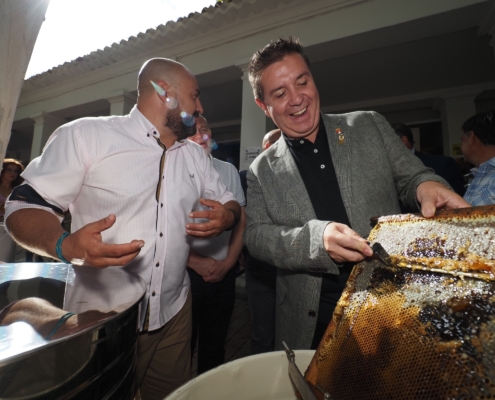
[(296, 97), (199, 107)]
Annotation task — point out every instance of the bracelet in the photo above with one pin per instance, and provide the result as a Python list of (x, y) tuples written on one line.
[(60, 322), (58, 247)]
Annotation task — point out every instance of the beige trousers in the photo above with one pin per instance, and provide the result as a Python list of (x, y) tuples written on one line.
[(164, 356)]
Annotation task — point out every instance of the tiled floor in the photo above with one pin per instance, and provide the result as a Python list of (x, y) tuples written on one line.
[(238, 342)]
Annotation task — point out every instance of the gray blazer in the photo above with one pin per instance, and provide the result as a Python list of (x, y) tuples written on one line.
[(373, 169)]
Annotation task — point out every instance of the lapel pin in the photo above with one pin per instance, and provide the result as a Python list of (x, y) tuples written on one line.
[(338, 131)]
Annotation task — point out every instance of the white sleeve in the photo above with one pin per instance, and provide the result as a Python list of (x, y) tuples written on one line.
[(214, 188), (58, 174)]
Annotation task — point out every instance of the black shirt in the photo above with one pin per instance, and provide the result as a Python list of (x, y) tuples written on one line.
[(315, 165)]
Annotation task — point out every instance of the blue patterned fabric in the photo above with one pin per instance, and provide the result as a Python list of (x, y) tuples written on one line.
[(481, 191)]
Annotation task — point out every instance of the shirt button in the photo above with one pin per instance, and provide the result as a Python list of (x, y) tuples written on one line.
[(157, 264), (148, 135), (153, 294), (161, 204), (316, 150), (311, 313), (322, 166), (161, 234), (301, 141), (154, 132)]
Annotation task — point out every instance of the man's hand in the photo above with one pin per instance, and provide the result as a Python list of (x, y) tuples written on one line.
[(202, 265), (220, 216), (217, 272), (432, 195), (344, 245), (85, 246)]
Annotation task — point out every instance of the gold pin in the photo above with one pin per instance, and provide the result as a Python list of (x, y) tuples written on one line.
[(338, 131)]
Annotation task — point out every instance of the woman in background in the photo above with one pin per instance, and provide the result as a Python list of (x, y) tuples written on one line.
[(10, 177)]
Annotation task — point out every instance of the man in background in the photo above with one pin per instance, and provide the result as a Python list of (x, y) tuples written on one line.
[(261, 281), (212, 268), (444, 166), (478, 148)]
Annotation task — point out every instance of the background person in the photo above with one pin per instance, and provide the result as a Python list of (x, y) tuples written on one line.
[(444, 166), (478, 148), (10, 177), (261, 281), (211, 267)]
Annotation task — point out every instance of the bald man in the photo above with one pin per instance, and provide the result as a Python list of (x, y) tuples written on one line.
[(270, 138), (133, 185)]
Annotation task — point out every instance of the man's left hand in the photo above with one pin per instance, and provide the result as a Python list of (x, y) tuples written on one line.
[(432, 195), (220, 218)]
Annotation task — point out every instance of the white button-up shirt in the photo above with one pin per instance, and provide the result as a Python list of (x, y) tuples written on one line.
[(113, 165)]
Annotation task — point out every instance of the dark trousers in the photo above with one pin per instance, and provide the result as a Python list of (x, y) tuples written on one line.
[(213, 304), (260, 287)]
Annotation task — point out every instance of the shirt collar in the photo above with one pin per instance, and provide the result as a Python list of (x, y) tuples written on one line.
[(148, 129), (300, 142), (490, 162)]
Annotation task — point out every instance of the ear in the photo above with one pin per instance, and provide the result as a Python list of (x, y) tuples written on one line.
[(263, 107), (472, 137), (164, 85)]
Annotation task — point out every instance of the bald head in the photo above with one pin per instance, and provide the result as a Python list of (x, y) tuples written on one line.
[(160, 69), (270, 138)]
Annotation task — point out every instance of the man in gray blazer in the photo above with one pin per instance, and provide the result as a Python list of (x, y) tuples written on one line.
[(326, 175)]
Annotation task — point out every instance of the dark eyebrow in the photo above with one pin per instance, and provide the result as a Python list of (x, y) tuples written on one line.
[(298, 77)]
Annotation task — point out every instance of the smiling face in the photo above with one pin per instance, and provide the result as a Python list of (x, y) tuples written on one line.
[(203, 134), (291, 98)]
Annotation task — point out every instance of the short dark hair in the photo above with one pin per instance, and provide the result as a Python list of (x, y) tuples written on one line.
[(403, 130), (271, 53), (483, 126)]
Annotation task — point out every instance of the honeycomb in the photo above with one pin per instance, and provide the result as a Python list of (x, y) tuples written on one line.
[(400, 333)]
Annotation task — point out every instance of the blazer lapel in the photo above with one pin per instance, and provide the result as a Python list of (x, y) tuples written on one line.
[(340, 150), (288, 175)]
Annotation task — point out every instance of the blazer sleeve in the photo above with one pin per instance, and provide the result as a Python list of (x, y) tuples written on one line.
[(297, 248), (408, 171)]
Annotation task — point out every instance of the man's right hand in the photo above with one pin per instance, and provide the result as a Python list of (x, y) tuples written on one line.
[(345, 245), (85, 246)]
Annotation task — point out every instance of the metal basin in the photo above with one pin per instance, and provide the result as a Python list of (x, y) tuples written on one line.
[(94, 358)]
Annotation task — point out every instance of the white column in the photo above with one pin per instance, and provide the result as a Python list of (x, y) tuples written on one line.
[(44, 125), (254, 123), (454, 110), (121, 103)]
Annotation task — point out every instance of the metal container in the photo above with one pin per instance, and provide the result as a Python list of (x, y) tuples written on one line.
[(92, 359)]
